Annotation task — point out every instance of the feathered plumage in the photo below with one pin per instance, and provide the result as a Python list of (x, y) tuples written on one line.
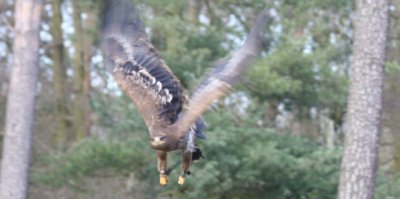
[(158, 95)]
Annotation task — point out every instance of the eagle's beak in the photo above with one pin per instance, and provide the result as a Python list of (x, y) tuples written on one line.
[(158, 141)]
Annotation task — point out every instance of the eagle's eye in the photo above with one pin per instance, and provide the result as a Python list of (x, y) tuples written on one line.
[(160, 138)]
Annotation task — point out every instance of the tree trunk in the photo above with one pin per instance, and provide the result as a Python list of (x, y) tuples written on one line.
[(79, 75), (214, 19), (193, 11), (60, 76), (21, 100), (358, 169), (89, 36)]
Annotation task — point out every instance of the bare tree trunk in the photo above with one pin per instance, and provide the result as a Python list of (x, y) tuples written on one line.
[(79, 75), (89, 36), (60, 76), (21, 101), (194, 10), (326, 127), (358, 169)]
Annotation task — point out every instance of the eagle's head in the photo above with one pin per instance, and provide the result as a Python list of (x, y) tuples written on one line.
[(167, 141), (159, 142)]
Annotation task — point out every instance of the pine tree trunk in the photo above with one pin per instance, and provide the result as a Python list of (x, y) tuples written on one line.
[(193, 11), (60, 76), (358, 170), (21, 100), (214, 19), (89, 36), (79, 75)]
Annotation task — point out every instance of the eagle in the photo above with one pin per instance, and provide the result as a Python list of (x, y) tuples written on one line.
[(173, 119)]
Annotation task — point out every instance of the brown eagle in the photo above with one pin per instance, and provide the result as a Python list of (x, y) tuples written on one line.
[(173, 120)]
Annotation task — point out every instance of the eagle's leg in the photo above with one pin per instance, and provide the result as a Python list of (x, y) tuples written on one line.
[(162, 167), (186, 161)]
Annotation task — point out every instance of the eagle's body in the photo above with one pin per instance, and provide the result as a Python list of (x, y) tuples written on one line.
[(157, 93)]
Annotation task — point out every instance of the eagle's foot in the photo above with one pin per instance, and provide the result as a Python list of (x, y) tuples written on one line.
[(181, 180), (163, 180)]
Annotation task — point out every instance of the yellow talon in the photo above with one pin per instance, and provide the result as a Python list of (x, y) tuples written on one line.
[(163, 180), (181, 180)]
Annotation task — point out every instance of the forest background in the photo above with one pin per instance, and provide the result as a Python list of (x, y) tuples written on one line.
[(278, 134)]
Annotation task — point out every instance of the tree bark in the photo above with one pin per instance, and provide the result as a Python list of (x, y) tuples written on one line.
[(60, 76), (358, 169), (89, 36), (194, 10), (79, 75), (21, 100)]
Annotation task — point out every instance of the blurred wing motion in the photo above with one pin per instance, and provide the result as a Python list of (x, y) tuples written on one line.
[(157, 93), (224, 75), (137, 66)]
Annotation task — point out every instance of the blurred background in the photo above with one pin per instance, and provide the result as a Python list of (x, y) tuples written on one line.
[(279, 134)]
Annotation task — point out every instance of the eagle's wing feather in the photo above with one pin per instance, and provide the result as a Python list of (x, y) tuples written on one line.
[(225, 74), (137, 67)]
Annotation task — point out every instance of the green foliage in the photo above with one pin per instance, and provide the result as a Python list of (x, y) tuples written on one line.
[(392, 68), (292, 77), (387, 186), (277, 75), (120, 120), (249, 162), (306, 65), (242, 161), (87, 158), (186, 48)]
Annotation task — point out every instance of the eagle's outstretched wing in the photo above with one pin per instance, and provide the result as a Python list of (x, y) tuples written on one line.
[(225, 74), (137, 66)]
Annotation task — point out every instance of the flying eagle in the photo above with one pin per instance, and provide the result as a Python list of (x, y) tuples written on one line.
[(173, 120)]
